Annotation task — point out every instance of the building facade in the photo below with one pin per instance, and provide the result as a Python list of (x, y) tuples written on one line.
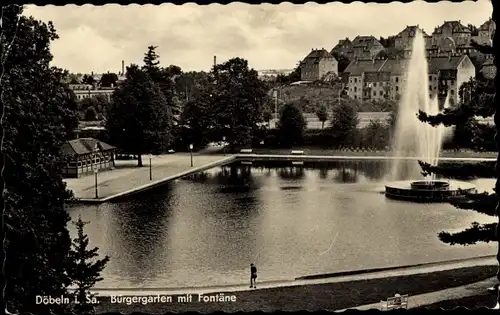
[(85, 155), (83, 91), (404, 39), (378, 79), (365, 47), (317, 64), (451, 37), (485, 32), (343, 48)]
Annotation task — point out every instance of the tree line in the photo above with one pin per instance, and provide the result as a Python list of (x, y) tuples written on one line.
[(40, 113)]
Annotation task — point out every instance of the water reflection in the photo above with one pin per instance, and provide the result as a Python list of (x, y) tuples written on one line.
[(289, 220)]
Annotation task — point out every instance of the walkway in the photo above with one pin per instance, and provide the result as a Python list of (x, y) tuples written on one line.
[(127, 178), (364, 275), (438, 296)]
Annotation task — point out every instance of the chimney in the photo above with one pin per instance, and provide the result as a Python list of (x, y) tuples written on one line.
[(123, 67)]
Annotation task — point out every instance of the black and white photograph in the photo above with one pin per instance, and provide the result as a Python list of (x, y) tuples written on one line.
[(272, 157)]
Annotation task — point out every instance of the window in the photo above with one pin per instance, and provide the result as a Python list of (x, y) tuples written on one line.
[(355, 89), (375, 84), (452, 82), (397, 88), (397, 79), (430, 87), (355, 97), (374, 93), (452, 92), (430, 78), (355, 80), (380, 93)]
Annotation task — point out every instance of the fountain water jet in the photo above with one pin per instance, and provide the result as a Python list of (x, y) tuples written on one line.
[(413, 138)]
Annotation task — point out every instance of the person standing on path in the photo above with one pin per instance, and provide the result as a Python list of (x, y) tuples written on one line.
[(253, 276)]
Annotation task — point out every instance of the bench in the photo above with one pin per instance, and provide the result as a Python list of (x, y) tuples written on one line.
[(246, 151), (395, 302), (297, 152)]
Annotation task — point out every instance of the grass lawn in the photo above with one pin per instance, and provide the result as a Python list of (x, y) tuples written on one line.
[(332, 296), (471, 302)]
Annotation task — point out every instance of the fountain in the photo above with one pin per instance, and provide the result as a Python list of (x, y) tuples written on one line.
[(417, 139)]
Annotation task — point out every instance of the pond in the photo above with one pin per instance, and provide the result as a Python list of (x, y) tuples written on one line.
[(206, 229)]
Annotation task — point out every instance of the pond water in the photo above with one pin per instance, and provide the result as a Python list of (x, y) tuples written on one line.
[(290, 221)]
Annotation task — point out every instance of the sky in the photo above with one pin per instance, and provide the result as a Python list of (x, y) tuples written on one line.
[(97, 38)]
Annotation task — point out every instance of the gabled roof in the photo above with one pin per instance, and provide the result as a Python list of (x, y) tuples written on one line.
[(444, 63), (357, 67), (456, 27), (395, 66), (316, 55), (365, 41), (412, 30), (84, 146), (345, 41), (486, 25)]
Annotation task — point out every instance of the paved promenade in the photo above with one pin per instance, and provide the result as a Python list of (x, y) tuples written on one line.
[(127, 178), (363, 275)]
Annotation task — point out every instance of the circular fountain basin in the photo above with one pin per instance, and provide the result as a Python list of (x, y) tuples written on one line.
[(428, 190)]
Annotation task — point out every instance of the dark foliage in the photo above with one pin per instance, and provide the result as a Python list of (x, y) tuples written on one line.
[(39, 115)]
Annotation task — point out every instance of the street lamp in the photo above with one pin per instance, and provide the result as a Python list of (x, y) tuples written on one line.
[(96, 192), (191, 153), (150, 169)]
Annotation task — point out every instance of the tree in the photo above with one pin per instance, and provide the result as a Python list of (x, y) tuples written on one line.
[(197, 117), (84, 271), (139, 120), (109, 79), (375, 135), (344, 123), (291, 125), (39, 115), (322, 114), (477, 99), (190, 84), (237, 101), (293, 76), (342, 60), (88, 79), (91, 114), (164, 78)]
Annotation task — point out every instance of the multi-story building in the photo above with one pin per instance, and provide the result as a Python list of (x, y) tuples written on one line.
[(90, 90), (317, 64), (451, 37), (361, 72), (343, 47), (378, 79), (404, 39), (485, 32), (361, 47), (448, 73), (365, 47)]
